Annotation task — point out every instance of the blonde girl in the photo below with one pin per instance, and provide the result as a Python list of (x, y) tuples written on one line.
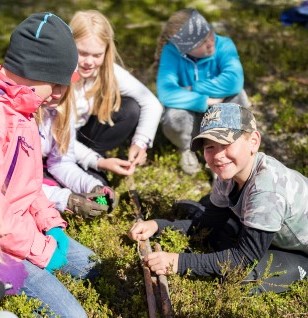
[(111, 105)]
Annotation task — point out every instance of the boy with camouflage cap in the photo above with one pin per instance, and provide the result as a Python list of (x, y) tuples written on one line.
[(256, 208)]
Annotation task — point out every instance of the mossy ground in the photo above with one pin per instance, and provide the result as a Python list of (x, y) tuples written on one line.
[(275, 60)]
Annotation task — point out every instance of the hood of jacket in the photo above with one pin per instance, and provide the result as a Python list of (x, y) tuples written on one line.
[(20, 97)]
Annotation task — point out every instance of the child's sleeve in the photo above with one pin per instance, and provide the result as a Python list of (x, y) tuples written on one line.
[(181, 225), (251, 245), (22, 238), (150, 108), (170, 92), (65, 170), (44, 214), (205, 214)]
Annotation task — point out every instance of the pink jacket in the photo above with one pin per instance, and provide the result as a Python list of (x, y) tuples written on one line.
[(25, 211)]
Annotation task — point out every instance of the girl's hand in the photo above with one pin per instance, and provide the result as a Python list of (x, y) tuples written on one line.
[(137, 155), (115, 165)]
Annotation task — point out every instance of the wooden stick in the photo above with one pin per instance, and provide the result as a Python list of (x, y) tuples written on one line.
[(152, 308), (164, 291), (144, 248)]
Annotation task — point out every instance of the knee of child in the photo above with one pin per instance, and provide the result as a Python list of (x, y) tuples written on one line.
[(177, 119), (133, 109)]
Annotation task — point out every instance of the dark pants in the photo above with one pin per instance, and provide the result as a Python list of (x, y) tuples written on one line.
[(283, 266), (103, 137)]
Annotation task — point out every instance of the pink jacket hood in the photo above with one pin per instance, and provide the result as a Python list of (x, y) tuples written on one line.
[(20, 97)]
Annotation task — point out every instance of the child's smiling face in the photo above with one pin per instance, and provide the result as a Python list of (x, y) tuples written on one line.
[(232, 161), (91, 55)]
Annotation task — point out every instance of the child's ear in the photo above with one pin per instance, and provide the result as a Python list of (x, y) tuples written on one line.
[(255, 140)]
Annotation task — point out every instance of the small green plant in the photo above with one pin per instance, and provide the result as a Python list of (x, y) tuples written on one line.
[(173, 241), (24, 307)]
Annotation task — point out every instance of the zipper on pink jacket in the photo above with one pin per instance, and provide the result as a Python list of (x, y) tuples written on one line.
[(20, 143)]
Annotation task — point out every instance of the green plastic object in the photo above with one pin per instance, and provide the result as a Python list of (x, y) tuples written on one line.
[(101, 200)]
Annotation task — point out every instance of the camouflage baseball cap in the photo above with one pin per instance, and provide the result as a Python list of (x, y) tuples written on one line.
[(224, 123)]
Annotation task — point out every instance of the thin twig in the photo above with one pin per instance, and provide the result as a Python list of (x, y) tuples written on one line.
[(144, 248), (152, 308)]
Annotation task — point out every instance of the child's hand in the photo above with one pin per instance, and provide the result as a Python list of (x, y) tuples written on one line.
[(112, 197), (62, 239), (212, 101), (104, 190), (162, 263), (57, 261), (83, 204), (116, 165), (141, 231), (137, 155)]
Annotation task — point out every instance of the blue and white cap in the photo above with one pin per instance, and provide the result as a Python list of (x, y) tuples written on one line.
[(224, 123)]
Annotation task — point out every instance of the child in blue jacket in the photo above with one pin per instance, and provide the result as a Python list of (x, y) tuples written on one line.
[(197, 68)]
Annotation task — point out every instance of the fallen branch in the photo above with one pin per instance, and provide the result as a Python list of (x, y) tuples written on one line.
[(144, 248)]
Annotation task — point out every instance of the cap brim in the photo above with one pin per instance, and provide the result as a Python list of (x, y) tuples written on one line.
[(220, 135)]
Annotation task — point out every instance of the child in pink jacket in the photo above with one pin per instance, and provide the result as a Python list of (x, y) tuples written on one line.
[(37, 69)]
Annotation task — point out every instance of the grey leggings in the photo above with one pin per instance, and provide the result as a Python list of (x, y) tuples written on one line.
[(180, 125)]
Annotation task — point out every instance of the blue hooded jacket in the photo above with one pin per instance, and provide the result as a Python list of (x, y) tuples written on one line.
[(217, 76)]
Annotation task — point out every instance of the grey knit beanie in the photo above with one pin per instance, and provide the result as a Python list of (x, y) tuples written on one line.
[(42, 48)]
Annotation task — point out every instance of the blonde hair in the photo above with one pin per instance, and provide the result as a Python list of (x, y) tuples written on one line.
[(60, 127), (105, 89), (171, 27)]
